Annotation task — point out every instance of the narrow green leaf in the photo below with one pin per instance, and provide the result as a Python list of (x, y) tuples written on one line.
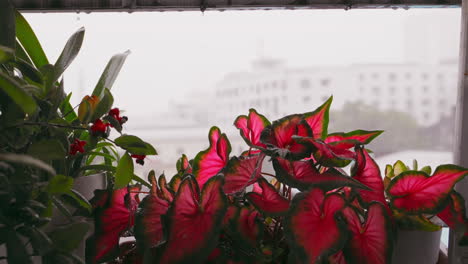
[(124, 171), (28, 70), (140, 180), (135, 145), (26, 160), (99, 167), (29, 41), (69, 53), (39, 240), (61, 207), (67, 110), (46, 150), (6, 54), (60, 184), (21, 53), (17, 94), (110, 73), (79, 199)]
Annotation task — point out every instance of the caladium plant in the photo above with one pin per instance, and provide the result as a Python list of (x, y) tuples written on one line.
[(220, 208)]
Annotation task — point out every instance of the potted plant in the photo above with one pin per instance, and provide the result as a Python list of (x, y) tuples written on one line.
[(46, 148), (225, 209)]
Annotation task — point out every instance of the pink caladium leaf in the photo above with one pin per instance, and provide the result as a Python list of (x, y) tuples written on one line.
[(327, 154), (318, 119), (367, 172), (114, 213), (212, 161), (183, 166), (148, 224), (242, 172), (304, 174), (243, 224), (193, 222), (414, 192), (314, 228), (454, 215), (351, 139), (164, 192), (278, 137), (269, 202), (175, 183), (251, 127), (371, 241)]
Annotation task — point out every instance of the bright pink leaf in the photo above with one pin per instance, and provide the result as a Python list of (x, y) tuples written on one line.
[(318, 119), (367, 172), (194, 222), (269, 202), (454, 215), (327, 154), (251, 127), (242, 172), (371, 242), (114, 213), (279, 137), (415, 192), (303, 175), (313, 228), (211, 161), (349, 140), (149, 228)]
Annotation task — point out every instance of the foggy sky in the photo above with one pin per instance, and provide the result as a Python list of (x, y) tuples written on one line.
[(178, 53)]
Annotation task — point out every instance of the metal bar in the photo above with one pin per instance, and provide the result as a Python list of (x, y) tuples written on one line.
[(7, 24), (459, 255), (186, 5)]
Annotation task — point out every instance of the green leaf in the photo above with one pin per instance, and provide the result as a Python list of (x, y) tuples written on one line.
[(104, 105), (6, 54), (67, 110), (124, 172), (80, 200), (21, 53), (427, 169), (39, 240), (110, 73), (61, 207), (16, 251), (135, 145), (69, 53), (29, 41), (114, 123), (69, 237), (140, 180), (26, 160), (98, 167), (28, 70), (17, 94), (46, 150), (60, 184)]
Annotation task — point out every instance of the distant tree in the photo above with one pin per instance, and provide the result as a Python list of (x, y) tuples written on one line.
[(401, 130)]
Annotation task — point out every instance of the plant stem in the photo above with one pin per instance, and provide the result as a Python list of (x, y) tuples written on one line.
[(51, 124), (268, 174)]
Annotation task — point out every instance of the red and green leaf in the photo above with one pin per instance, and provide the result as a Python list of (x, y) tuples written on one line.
[(454, 215), (371, 241), (327, 154), (242, 172), (278, 137), (163, 191), (251, 127), (148, 224), (367, 172), (415, 192), (318, 119), (269, 202), (313, 227), (350, 139), (183, 166), (175, 183), (210, 162), (194, 222), (303, 175), (114, 213)]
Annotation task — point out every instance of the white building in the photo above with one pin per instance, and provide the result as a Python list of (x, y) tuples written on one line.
[(424, 91)]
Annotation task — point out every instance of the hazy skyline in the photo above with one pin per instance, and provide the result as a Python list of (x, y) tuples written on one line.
[(175, 53)]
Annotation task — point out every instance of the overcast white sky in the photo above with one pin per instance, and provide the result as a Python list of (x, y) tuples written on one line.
[(174, 53)]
